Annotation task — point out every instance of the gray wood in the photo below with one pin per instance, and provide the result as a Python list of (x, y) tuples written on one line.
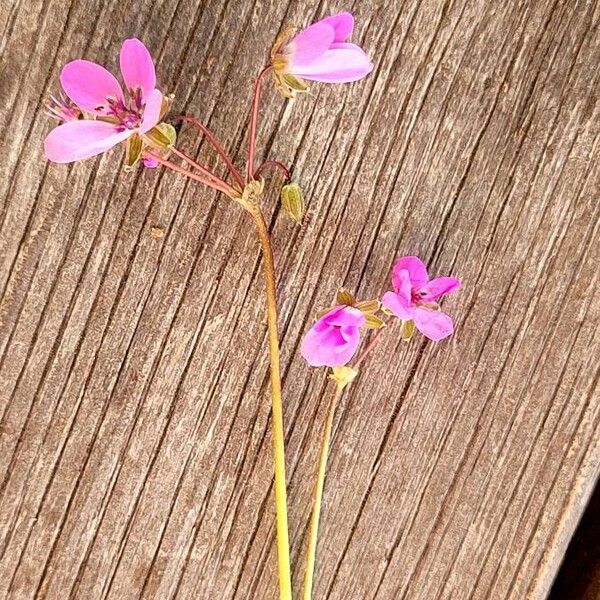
[(135, 443)]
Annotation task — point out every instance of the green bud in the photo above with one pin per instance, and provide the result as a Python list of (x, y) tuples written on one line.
[(292, 200)]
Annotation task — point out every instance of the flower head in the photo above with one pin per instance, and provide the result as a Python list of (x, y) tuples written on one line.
[(334, 338), (415, 297), (320, 52), (98, 114)]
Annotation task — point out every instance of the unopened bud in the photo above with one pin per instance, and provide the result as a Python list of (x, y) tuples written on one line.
[(292, 200)]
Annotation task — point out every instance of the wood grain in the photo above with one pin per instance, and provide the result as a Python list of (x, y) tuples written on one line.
[(135, 455)]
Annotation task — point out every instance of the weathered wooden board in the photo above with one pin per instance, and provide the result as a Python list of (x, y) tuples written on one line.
[(135, 435)]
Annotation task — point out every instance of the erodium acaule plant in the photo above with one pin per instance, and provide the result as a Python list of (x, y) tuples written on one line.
[(96, 113)]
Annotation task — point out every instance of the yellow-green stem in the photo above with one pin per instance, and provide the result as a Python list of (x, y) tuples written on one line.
[(313, 536), (283, 547), (311, 550)]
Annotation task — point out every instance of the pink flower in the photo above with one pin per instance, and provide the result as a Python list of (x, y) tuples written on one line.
[(415, 295), (113, 115), (320, 53), (334, 338)]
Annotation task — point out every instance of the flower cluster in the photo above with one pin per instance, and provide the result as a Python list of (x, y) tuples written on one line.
[(334, 339)]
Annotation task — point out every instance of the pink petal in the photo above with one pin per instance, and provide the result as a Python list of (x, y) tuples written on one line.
[(440, 286), (333, 348), (397, 305), (77, 140), (342, 316), (150, 162), (433, 324), (416, 269), (311, 43), (342, 63), (402, 285), (151, 111), (343, 25), (137, 67), (334, 338), (89, 85), (344, 353), (318, 348)]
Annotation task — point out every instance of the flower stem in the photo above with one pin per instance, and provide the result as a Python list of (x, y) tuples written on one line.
[(283, 548), (253, 124), (210, 136), (204, 170), (311, 550), (215, 183), (277, 165)]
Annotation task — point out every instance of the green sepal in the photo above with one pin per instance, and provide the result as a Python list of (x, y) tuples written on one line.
[(368, 307), (133, 151), (343, 376), (407, 330), (373, 322), (343, 296), (163, 136), (296, 84)]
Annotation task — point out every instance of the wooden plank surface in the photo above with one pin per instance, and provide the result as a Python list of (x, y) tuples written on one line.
[(135, 434)]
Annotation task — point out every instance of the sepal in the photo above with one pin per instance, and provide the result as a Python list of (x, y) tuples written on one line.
[(343, 376), (162, 137), (368, 307), (373, 322), (167, 101), (407, 330), (343, 296), (133, 151)]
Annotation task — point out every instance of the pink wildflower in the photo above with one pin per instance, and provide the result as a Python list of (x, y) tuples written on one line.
[(415, 295), (320, 53), (334, 338), (114, 116)]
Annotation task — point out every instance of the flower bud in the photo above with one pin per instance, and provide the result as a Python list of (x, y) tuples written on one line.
[(292, 200)]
